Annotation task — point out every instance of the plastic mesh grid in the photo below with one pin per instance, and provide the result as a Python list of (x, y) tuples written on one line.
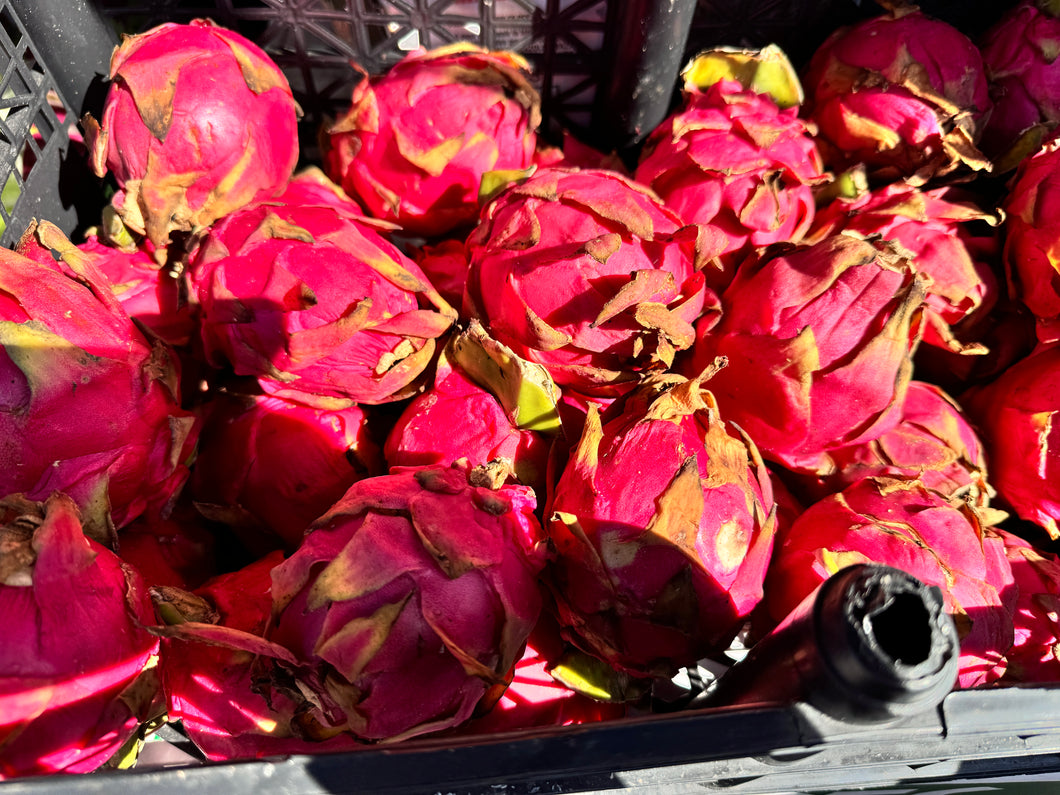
[(30, 111)]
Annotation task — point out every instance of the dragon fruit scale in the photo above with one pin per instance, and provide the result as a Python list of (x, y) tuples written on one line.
[(819, 340), (880, 95), (198, 122), (409, 601), (89, 405), (903, 524), (663, 525), (77, 667), (730, 159), (316, 304), (415, 143), (586, 273), (1035, 652)]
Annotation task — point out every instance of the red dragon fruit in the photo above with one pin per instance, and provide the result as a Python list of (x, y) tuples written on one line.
[(880, 95), (663, 526), (154, 297), (819, 340), (1031, 236), (416, 141), (484, 404), (928, 225), (1020, 57), (178, 550), (77, 667), (1017, 417), (445, 265), (210, 687), (408, 603), (903, 524), (316, 305), (89, 405), (586, 273), (730, 159), (1035, 653), (933, 442), (267, 467), (198, 122)]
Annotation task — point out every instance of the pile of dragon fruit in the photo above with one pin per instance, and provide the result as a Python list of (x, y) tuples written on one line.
[(458, 430)]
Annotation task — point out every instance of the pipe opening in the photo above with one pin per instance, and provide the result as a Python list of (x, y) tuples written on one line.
[(902, 628)]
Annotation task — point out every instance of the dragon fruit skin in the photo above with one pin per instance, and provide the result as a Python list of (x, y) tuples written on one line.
[(316, 305), (1033, 656), (731, 160), (77, 667), (197, 123), (445, 264), (1016, 418), (901, 523), (927, 224), (268, 467), (1031, 214), (587, 274), (1019, 56), (416, 141), (178, 550), (210, 688), (934, 442), (63, 333), (879, 95), (819, 340), (408, 601), (149, 294), (663, 525)]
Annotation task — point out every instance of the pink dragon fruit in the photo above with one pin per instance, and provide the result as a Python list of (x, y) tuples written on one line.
[(484, 405), (733, 161), (933, 442), (586, 273), (416, 141), (178, 550), (152, 296), (1032, 229), (316, 305), (903, 524), (880, 95), (77, 667), (819, 340), (267, 467), (89, 405), (210, 688), (445, 265), (1017, 418), (663, 526), (1019, 56), (927, 224), (1033, 656), (197, 123)]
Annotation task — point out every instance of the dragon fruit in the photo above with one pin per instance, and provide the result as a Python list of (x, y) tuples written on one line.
[(89, 405), (1030, 238), (445, 265), (663, 525), (178, 550), (77, 667), (733, 161), (408, 602), (316, 305), (819, 340), (879, 95), (1019, 56), (1033, 655), (903, 524), (484, 405), (152, 296), (588, 274), (197, 123), (267, 467), (927, 224), (210, 688), (416, 141), (933, 442), (1017, 418)]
